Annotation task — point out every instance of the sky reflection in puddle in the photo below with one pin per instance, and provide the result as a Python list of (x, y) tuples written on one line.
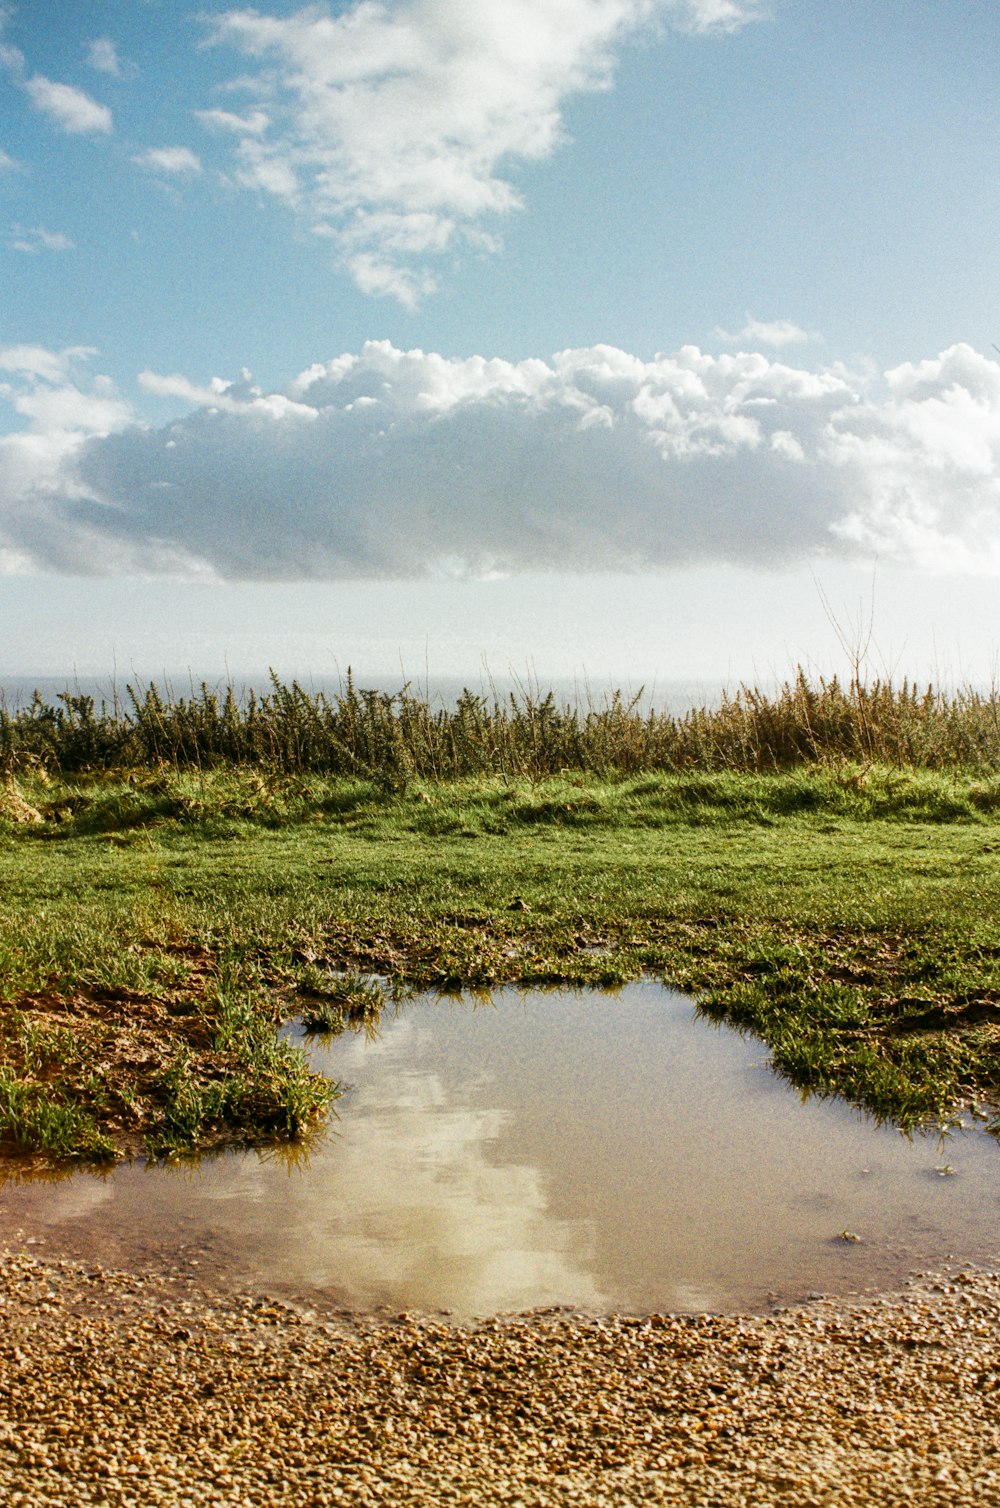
[(603, 1151)]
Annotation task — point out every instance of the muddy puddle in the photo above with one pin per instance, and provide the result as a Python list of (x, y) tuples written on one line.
[(603, 1151)]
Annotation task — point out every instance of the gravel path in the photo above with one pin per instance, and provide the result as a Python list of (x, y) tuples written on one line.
[(122, 1389)]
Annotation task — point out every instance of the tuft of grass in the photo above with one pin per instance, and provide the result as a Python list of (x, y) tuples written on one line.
[(250, 1085), (270, 1095), (44, 1121), (337, 1001)]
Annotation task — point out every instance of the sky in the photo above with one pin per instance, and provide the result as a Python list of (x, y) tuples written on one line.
[(631, 341)]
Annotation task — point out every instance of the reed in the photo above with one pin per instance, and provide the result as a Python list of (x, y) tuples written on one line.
[(393, 739)]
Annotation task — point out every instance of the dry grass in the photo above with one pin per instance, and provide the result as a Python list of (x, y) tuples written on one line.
[(394, 739)]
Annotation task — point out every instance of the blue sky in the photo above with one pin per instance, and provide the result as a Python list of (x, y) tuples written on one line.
[(586, 333)]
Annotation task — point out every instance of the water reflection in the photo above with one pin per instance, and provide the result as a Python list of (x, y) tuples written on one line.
[(551, 1148), (403, 1205)]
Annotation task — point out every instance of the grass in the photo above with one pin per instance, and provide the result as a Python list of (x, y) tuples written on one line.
[(157, 925), (332, 1002), (394, 740), (112, 1061)]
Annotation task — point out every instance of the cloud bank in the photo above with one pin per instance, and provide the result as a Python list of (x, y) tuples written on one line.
[(393, 129), (390, 463)]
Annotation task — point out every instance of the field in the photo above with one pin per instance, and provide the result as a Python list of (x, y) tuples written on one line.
[(165, 906)]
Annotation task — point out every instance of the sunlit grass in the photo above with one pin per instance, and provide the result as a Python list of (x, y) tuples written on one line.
[(819, 867)]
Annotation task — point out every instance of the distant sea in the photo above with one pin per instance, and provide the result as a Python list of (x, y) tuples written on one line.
[(671, 696)]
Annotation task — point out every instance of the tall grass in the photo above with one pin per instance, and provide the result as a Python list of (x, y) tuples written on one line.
[(392, 739)]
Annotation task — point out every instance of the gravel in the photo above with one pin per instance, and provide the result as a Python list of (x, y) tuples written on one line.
[(121, 1388)]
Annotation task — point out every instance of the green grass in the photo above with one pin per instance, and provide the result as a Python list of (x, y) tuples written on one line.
[(155, 929), (333, 1002)]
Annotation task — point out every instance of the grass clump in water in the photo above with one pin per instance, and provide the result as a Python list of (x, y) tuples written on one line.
[(335, 1002)]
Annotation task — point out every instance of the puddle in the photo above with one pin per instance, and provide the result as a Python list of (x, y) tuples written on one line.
[(593, 1150)]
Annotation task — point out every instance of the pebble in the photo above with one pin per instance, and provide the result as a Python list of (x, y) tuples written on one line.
[(106, 1398)]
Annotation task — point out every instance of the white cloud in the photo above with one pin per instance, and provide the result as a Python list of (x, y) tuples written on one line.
[(103, 56), (68, 106), (261, 168), (7, 163), (10, 57), (401, 463), (215, 393), (35, 238), (71, 411), (931, 462), (228, 397), (174, 160), (771, 332), (62, 406), (57, 393), (38, 361), (251, 124), (380, 277), (396, 128), (705, 16)]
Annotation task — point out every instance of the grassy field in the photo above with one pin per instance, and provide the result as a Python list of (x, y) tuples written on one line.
[(156, 926)]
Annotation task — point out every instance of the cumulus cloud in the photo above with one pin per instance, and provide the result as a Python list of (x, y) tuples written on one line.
[(395, 129), (62, 405), (35, 238), (178, 161), (401, 463), (931, 461), (68, 107), (102, 55)]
